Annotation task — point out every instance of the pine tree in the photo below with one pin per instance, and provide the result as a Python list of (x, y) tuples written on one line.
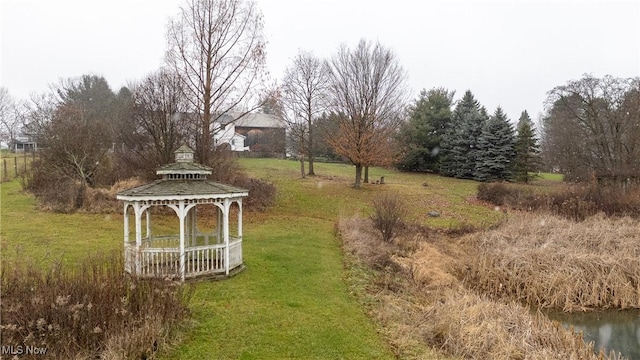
[(527, 149), (460, 142), (496, 151), (420, 137)]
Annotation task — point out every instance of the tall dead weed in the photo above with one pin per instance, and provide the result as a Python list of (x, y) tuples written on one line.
[(550, 262), (429, 306)]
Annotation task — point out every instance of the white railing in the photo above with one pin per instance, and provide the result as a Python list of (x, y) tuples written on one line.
[(169, 241), (165, 261), (235, 253), (202, 260)]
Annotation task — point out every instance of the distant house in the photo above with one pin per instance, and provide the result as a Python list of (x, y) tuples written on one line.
[(225, 134), (24, 143), (262, 134)]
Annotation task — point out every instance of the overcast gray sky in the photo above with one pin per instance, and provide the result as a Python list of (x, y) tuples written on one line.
[(508, 53)]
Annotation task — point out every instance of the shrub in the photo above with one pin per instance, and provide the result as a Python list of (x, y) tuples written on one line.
[(579, 202), (261, 193), (63, 194), (576, 202), (89, 312), (389, 212), (494, 193)]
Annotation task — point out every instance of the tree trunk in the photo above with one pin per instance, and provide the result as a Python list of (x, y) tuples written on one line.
[(310, 145), (302, 166), (311, 172), (366, 174), (358, 176)]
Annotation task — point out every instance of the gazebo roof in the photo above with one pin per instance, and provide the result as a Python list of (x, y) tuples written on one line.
[(182, 180), (182, 189), (184, 167)]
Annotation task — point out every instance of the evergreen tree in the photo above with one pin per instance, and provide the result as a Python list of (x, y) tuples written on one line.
[(527, 149), (421, 135), (460, 141), (495, 152)]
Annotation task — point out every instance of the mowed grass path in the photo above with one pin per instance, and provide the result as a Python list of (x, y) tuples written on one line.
[(292, 301)]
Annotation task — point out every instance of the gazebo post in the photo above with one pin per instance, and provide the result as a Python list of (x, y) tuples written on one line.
[(126, 223), (187, 224), (219, 231), (127, 254), (194, 227), (181, 216), (137, 211), (148, 211), (225, 226), (239, 201)]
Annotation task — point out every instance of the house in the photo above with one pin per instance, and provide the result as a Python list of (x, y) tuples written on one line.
[(24, 143), (262, 134), (225, 133)]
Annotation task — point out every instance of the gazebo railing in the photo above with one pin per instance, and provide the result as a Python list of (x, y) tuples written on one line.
[(165, 262), (206, 259), (235, 253)]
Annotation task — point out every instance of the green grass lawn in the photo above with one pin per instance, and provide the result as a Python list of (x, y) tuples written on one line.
[(551, 176), (13, 165), (293, 299)]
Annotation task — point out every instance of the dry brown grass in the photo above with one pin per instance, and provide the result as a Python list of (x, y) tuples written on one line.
[(420, 299), (550, 262), (94, 311), (103, 200), (471, 326)]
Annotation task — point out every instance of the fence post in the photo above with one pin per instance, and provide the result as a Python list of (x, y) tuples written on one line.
[(15, 166), (6, 173)]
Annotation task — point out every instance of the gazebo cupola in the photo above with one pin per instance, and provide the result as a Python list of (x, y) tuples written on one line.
[(191, 252)]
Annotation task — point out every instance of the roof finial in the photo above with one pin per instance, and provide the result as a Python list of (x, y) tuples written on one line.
[(184, 154)]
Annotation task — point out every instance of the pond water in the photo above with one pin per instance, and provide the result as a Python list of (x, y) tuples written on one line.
[(612, 330)]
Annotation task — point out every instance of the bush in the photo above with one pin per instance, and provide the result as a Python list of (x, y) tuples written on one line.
[(576, 202), (93, 311), (494, 193), (579, 202), (388, 215), (261, 193), (63, 194)]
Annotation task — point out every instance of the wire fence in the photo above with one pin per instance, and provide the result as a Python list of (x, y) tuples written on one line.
[(14, 165)]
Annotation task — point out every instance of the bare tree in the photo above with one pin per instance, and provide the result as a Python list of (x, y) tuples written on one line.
[(217, 46), (10, 117), (304, 98), (368, 86), (73, 123), (76, 145), (592, 127), (160, 123)]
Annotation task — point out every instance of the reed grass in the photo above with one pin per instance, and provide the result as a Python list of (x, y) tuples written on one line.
[(471, 326), (550, 262), (419, 296)]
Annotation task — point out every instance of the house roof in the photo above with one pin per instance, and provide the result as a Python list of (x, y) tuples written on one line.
[(182, 189), (254, 120)]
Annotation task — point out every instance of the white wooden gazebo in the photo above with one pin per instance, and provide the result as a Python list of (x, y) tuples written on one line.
[(191, 252)]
